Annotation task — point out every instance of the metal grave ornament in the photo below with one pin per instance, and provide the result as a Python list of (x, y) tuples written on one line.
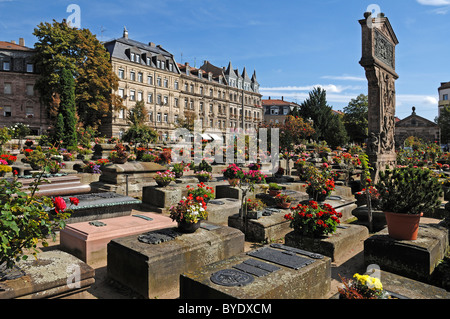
[(284, 258), (298, 251), (97, 223), (231, 278), (143, 217), (256, 267), (158, 236)]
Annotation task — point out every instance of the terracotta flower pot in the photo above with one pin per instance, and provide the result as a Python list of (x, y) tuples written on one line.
[(273, 192), (403, 226), (284, 205)]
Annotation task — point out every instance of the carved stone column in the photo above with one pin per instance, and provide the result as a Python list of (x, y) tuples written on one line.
[(378, 60)]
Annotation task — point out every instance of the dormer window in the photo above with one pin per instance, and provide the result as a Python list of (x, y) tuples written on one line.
[(138, 58), (163, 65), (149, 61), (158, 64), (132, 57), (200, 75), (6, 66)]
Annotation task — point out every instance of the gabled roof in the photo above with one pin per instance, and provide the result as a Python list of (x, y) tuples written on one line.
[(417, 117), (13, 46)]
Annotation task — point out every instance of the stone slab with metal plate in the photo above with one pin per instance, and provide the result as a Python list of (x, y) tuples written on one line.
[(152, 265), (269, 272), (88, 240), (53, 275), (220, 209)]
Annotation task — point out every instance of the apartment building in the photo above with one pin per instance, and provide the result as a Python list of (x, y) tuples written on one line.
[(19, 102), (220, 97), (444, 93)]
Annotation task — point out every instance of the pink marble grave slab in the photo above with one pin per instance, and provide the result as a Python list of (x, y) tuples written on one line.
[(89, 242)]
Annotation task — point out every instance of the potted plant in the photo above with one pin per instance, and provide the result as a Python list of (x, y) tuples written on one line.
[(280, 172), (54, 166), (255, 176), (283, 200), (189, 213), (320, 182), (362, 287), (164, 178), (254, 208), (233, 174), (36, 159), (10, 159), (203, 176), (119, 155), (274, 189), (313, 220), (178, 169), (202, 191), (91, 167), (300, 166), (406, 194), (4, 167)]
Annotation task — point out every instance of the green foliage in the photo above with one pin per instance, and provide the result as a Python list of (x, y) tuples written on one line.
[(60, 46), (5, 136), (444, 124), (25, 219), (356, 118), (67, 109), (409, 190), (58, 133), (275, 186)]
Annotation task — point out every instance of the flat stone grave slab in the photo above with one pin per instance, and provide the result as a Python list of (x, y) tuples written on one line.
[(415, 259), (220, 209), (88, 240), (152, 268), (58, 185), (265, 273), (272, 225), (347, 239), (161, 197), (55, 274), (100, 205)]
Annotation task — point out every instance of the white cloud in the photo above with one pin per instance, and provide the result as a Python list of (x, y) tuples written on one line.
[(330, 88), (344, 77), (434, 2)]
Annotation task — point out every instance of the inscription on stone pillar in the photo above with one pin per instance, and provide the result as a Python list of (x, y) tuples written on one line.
[(378, 60)]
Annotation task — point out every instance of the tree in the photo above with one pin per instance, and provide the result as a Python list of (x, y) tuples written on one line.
[(187, 121), (356, 118), (327, 125), (139, 132), (67, 110), (60, 46), (444, 124)]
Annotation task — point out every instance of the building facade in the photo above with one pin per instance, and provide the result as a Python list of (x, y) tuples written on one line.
[(417, 126), (444, 93), (19, 102), (276, 110), (221, 98)]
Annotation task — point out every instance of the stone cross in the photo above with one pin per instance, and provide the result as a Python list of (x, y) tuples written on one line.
[(378, 60)]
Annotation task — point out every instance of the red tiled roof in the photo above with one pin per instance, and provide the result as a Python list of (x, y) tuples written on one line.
[(12, 46), (275, 102)]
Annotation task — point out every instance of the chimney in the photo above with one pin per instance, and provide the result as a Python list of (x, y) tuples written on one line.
[(22, 42), (125, 32), (282, 98), (151, 44), (269, 97), (13, 41)]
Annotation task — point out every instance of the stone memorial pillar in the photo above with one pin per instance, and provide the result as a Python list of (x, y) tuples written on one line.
[(378, 60)]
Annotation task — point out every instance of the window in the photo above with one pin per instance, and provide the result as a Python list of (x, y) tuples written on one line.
[(138, 58), (149, 98), (158, 64), (201, 106), (192, 88), (132, 76), (132, 95), (7, 88), (140, 96), (121, 113), (210, 92), (29, 112), (166, 118), (30, 68), (175, 118), (158, 81), (132, 57), (121, 74), (158, 99), (170, 67), (6, 66), (191, 105), (175, 101), (150, 116), (166, 100), (149, 61), (210, 108), (285, 111), (30, 89), (121, 93), (201, 90), (140, 77), (158, 117), (7, 111), (176, 85), (185, 86), (163, 65), (150, 79), (166, 83), (185, 103), (445, 97)]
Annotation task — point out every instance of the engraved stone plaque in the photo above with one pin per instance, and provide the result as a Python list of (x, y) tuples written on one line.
[(384, 50), (158, 236), (284, 258), (231, 278)]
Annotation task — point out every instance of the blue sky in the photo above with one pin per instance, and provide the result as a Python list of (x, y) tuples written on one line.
[(292, 45)]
